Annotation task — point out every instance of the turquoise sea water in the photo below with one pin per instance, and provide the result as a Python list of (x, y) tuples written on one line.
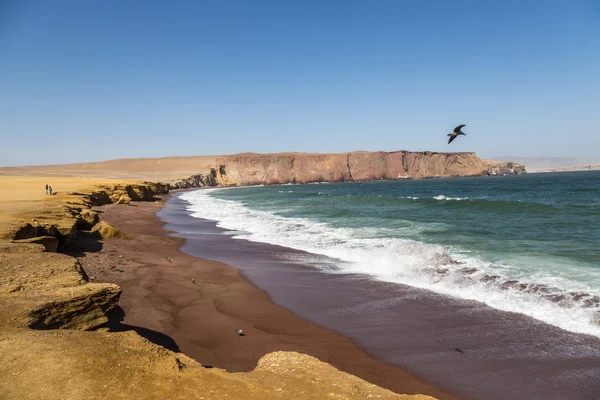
[(528, 243)]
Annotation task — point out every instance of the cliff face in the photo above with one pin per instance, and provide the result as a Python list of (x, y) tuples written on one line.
[(256, 169), (215, 177)]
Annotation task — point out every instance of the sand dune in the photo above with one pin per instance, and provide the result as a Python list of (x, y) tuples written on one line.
[(151, 169)]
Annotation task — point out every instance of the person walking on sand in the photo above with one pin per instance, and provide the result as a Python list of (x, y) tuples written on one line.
[(46, 188), (50, 190)]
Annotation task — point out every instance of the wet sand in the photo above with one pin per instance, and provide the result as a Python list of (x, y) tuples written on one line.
[(501, 355), (162, 303)]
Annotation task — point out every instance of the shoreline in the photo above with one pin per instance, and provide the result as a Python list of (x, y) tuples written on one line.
[(165, 300), (414, 328)]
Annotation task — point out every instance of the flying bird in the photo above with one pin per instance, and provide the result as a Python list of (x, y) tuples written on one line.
[(457, 131)]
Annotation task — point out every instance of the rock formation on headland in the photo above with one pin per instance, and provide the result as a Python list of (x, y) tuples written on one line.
[(253, 169), (265, 169)]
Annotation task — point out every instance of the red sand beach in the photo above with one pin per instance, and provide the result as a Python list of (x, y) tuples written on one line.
[(162, 303)]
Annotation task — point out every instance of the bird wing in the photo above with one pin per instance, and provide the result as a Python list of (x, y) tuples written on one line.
[(451, 139), (458, 128)]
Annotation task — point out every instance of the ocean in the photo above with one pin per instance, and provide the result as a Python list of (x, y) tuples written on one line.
[(527, 244)]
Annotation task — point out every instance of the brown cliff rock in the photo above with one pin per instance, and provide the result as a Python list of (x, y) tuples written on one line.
[(125, 194), (61, 227), (157, 188), (120, 197), (87, 219), (213, 177), (198, 180), (266, 169), (107, 231)]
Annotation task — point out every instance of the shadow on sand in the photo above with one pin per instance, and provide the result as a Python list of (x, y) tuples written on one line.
[(87, 242), (115, 324)]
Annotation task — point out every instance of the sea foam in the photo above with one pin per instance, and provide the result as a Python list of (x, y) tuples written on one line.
[(558, 301)]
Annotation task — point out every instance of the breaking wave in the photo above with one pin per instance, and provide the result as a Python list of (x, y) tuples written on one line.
[(555, 300)]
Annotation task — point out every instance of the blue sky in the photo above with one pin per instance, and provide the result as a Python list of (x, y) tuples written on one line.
[(94, 80)]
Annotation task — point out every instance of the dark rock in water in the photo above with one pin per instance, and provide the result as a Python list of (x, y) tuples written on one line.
[(467, 270), (445, 259), (489, 278), (593, 302), (535, 288), (555, 297), (513, 284), (578, 295)]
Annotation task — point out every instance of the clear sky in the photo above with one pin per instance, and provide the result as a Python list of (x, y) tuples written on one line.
[(95, 80)]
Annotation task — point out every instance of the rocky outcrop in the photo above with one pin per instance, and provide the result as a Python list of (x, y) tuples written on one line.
[(43, 290), (83, 307), (76, 214), (106, 231), (198, 180), (505, 168), (61, 227), (87, 219), (124, 194), (214, 177)]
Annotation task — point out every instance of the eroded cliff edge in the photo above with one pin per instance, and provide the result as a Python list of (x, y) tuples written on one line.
[(266, 169)]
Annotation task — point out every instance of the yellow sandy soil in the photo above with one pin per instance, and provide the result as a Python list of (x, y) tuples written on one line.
[(23, 197), (149, 169)]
